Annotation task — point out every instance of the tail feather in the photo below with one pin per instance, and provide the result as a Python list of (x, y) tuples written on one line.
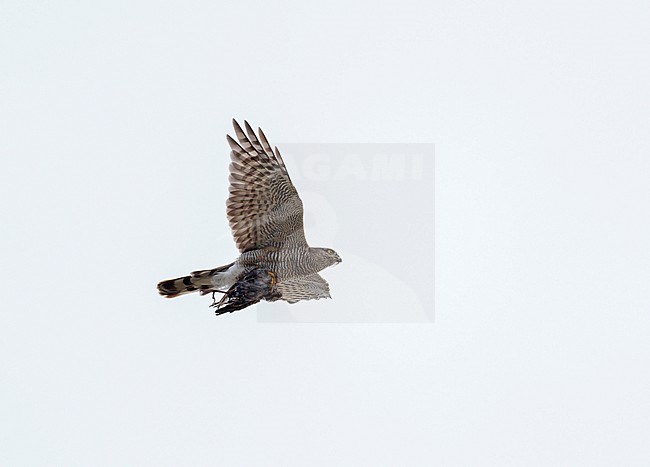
[(174, 287), (201, 281)]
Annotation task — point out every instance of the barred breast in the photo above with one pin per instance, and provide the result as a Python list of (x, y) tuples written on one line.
[(286, 262)]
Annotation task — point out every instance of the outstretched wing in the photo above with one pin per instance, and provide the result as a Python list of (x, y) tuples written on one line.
[(308, 287), (263, 207)]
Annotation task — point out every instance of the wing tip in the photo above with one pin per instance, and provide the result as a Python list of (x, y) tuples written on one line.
[(234, 145)]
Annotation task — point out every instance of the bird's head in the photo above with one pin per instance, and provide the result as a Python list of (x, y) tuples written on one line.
[(326, 256)]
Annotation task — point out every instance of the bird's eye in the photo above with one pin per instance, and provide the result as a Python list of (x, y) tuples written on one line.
[(331, 252)]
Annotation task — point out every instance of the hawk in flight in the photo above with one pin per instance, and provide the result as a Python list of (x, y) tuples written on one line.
[(266, 217)]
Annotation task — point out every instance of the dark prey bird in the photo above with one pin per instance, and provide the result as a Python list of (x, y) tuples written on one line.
[(266, 217)]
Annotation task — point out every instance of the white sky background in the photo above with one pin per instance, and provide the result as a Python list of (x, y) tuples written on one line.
[(113, 116)]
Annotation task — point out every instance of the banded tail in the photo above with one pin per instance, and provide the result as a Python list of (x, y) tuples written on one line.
[(202, 281)]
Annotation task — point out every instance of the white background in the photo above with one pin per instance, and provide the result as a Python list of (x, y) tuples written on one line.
[(113, 117)]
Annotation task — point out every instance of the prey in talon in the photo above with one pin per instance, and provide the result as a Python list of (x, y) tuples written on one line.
[(258, 284)]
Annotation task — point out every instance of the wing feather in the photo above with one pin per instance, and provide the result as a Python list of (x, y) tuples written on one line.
[(244, 142), (253, 138), (310, 287), (265, 142), (263, 206)]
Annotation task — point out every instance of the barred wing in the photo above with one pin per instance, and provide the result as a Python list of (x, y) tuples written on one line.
[(308, 287), (263, 207)]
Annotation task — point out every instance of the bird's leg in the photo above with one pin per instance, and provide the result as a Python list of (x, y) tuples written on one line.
[(216, 304), (214, 300)]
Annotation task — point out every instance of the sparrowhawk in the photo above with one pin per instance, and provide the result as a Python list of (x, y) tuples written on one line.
[(266, 217)]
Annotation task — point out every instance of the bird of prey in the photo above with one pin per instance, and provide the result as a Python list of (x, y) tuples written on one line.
[(266, 217)]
